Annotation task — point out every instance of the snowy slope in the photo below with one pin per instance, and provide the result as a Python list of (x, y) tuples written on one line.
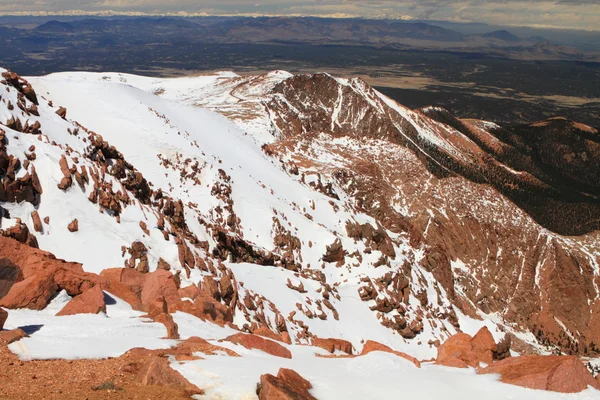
[(310, 229)]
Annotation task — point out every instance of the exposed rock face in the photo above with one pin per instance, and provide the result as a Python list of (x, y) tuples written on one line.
[(34, 276), (89, 302), (421, 213), (158, 372), (34, 292), (462, 350), (372, 345), (3, 318), (287, 385), (331, 345), (73, 226), (565, 374), (257, 342), (20, 232)]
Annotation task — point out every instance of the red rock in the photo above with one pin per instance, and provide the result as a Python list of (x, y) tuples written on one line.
[(37, 222), (462, 350), (74, 226), (21, 234), (565, 374), (372, 345), (266, 332), (287, 385), (34, 293), (62, 112), (89, 302), (250, 341), (162, 264), (189, 292), (157, 284), (3, 318), (73, 280), (167, 320), (207, 307), (484, 346), (157, 371), (331, 345), (8, 337)]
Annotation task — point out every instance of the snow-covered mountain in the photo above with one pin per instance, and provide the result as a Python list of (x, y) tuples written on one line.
[(300, 207)]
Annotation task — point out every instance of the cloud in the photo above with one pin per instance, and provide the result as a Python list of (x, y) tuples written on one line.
[(577, 14)]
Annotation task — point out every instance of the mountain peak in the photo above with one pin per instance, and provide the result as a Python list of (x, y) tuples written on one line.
[(502, 35)]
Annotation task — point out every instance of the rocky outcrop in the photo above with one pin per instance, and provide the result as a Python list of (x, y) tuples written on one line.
[(260, 343), (20, 233), (287, 385), (462, 350), (566, 374), (371, 346), (73, 226), (3, 318), (331, 345), (89, 302), (34, 292)]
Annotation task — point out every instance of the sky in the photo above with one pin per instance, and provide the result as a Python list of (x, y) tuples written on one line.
[(574, 14)]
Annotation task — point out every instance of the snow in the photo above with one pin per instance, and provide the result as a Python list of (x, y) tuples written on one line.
[(376, 375), (84, 336)]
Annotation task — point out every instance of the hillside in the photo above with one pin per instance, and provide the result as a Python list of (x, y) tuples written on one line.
[(297, 207)]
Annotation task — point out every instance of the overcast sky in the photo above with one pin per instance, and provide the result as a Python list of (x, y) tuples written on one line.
[(578, 14)]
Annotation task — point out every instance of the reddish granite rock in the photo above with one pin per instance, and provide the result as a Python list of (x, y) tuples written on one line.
[(21, 234), (37, 222), (167, 320), (160, 283), (257, 342), (3, 318), (73, 226), (565, 374), (266, 332), (189, 291), (462, 350), (34, 293), (372, 345), (484, 346), (8, 337), (157, 371), (89, 302), (331, 345), (287, 385)]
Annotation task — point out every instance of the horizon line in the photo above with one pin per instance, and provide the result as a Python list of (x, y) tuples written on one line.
[(185, 14)]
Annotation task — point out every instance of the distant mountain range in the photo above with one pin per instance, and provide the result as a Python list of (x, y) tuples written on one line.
[(402, 35)]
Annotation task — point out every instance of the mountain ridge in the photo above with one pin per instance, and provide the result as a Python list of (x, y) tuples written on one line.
[(350, 205)]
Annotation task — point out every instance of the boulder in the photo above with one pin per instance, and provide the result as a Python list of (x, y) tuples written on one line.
[(372, 345), (34, 292), (566, 374), (20, 233), (3, 318), (89, 302), (190, 292), (157, 284), (483, 346), (462, 350), (37, 222), (73, 226), (266, 332), (167, 320), (331, 345), (157, 371), (250, 341), (8, 337), (287, 385)]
